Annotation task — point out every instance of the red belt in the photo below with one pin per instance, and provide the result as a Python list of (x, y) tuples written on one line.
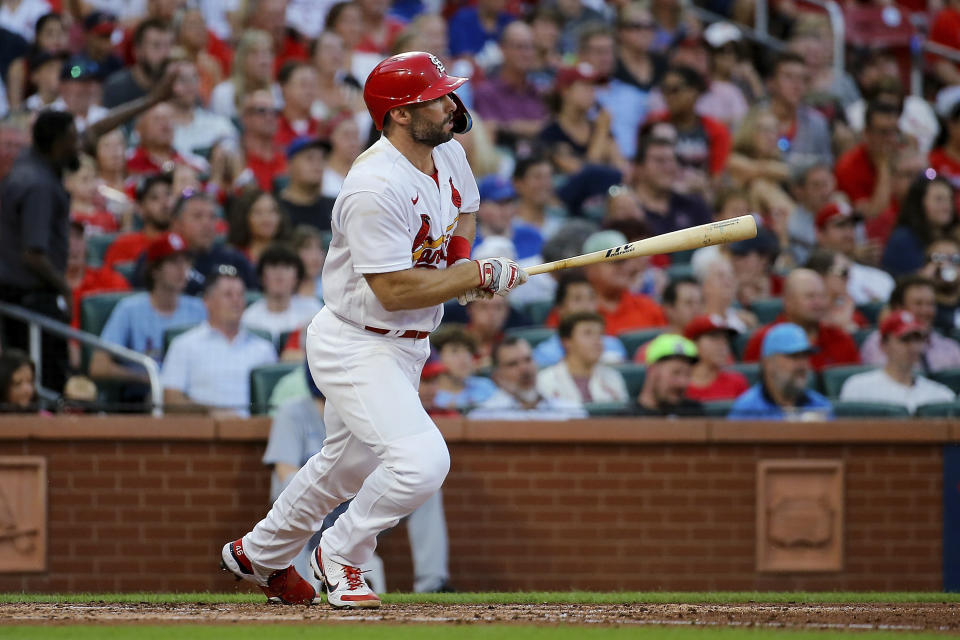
[(409, 333)]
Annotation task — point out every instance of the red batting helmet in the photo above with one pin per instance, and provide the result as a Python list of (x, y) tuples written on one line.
[(409, 78)]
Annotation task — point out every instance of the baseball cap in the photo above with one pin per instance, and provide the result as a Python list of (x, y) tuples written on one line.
[(165, 246), (100, 23), (80, 68), (582, 72), (669, 345), (834, 210), (787, 339), (705, 324), (603, 240), (306, 142), (721, 33), (901, 323), (496, 189)]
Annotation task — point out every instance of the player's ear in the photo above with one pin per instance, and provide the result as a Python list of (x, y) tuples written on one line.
[(400, 115)]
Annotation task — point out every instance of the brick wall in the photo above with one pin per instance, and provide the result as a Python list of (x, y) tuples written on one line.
[(143, 504)]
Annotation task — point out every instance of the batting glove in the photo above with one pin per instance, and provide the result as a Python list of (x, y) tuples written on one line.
[(470, 295), (500, 275)]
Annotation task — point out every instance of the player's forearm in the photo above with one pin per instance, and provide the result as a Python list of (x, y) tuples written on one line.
[(467, 226), (421, 288)]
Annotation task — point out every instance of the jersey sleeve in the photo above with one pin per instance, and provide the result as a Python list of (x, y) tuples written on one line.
[(376, 232)]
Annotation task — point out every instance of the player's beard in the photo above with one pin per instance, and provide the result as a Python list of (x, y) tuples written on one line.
[(429, 133)]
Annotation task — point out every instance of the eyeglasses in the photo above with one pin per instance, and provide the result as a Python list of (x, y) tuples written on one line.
[(943, 258)]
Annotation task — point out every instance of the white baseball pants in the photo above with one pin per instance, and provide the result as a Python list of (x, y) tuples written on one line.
[(382, 449)]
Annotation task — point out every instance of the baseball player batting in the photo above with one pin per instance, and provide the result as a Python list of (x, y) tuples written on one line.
[(403, 226)]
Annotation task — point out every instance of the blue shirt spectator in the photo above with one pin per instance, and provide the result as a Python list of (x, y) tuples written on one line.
[(477, 390), (137, 325), (756, 403), (550, 351), (468, 36)]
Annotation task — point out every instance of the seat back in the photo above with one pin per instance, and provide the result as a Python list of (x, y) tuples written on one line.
[(939, 410), (949, 377), (750, 370), (97, 248), (834, 377), (633, 340), (767, 309), (607, 409), (95, 310), (717, 409), (633, 376), (263, 380), (869, 410), (533, 335)]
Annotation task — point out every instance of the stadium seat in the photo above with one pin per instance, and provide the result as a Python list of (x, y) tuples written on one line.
[(871, 310), (860, 335), (326, 237), (750, 370), (682, 257), (172, 333), (533, 335), (263, 380), (949, 377), (767, 309), (718, 409), (538, 311), (939, 410), (252, 296), (678, 271), (97, 248), (126, 269), (834, 377), (739, 344), (606, 409), (633, 340), (869, 410), (633, 375), (282, 340), (95, 310)]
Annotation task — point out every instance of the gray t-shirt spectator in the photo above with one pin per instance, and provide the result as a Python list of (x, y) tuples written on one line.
[(120, 87), (34, 214), (297, 433)]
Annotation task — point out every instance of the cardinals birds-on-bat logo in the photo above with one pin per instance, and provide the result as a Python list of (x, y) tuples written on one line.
[(423, 233), (454, 195)]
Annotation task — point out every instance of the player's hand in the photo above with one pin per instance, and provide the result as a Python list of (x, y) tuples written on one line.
[(500, 275), (470, 295)]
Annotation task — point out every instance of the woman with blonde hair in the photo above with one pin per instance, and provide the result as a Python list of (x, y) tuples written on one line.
[(252, 70)]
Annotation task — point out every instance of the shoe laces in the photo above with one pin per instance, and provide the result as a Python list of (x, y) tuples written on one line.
[(354, 577)]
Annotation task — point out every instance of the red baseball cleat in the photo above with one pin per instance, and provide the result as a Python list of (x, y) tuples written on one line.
[(283, 586)]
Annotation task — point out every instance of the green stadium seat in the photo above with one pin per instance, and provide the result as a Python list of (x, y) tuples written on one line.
[(860, 335), (718, 409), (739, 344), (678, 271), (95, 310), (172, 333), (126, 269), (633, 340), (949, 377), (633, 375), (607, 409), (834, 377), (537, 312), (869, 410), (682, 257), (252, 296), (533, 335), (750, 370), (97, 247), (939, 410), (282, 340), (871, 310), (326, 236), (263, 380), (767, 309)]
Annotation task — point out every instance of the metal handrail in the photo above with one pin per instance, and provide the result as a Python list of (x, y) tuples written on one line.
[(36, 322), (941, 50), (837, 24), (918, 47), (751, 34)]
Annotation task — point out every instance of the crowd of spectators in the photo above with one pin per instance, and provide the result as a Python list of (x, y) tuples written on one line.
[(184, 157)]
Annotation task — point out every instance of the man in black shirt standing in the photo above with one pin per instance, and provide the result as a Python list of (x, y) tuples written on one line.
[(34, 237), (302, 199)]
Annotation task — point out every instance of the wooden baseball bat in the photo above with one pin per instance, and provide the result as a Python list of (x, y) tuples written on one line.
[(704, 235)]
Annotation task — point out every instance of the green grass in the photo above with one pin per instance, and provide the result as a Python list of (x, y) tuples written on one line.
[(534, 597), (420, 632)]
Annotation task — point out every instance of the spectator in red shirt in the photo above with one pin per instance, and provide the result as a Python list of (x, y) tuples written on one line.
[(154, 203), (271, 16), (703, 144), (708, 380), (262, 156), (621, 310), (945, 156), (200, 46), (865, 173), (84, 280), (945, 30), (155, 153), (85, 205), (298, 83), (805, 304), (380, 29)]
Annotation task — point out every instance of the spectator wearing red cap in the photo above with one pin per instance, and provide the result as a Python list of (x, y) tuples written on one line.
[(507, 101), (708, 380), (429, 385), (903, 339), (865, 173), (836, 226), (139, 321), (805, 304), (84, 280)]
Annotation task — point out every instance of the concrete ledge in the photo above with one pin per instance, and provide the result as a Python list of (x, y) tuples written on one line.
[(604, 430), (243, 429), (116, 427), (837, 431)]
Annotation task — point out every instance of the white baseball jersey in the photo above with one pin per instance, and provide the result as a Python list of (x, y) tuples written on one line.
[(390, 216)]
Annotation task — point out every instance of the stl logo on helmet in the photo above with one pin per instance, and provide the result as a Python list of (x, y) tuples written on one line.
[(439, 65), (428, 252)]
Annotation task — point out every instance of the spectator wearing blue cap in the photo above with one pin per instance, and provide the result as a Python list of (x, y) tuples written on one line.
[(79, 85), (302, 198), (785, 369)]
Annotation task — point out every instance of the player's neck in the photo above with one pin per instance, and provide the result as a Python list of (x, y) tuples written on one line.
[(419, 155)]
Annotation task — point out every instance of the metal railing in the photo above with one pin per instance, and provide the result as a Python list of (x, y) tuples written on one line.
[(917, 61), (37, 323)]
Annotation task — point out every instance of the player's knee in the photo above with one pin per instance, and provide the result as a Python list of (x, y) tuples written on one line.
[(422, 462)]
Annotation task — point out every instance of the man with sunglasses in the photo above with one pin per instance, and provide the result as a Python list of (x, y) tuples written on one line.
[(903, 339), (403, 226)]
